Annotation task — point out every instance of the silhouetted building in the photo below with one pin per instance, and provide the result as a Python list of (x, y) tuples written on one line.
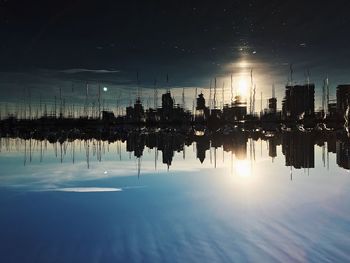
[(272, 105), (202, 112), (136, 113), (236, 111), (108, 116), (167, 107), (152, 115), (343, 98), (299, 102), (200, 102), (332, 109)]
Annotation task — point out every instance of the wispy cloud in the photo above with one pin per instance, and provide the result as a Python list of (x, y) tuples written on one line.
[(83, 70), (86, 189)]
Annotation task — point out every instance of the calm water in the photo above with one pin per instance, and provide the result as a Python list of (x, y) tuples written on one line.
[(97, 202)]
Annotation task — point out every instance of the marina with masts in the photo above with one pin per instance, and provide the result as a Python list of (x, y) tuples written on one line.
[(207, 111)]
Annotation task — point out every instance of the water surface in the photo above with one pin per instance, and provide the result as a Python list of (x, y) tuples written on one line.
[(238, 205)]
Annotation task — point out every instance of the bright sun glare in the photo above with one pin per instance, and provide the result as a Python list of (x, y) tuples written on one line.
[(243, 168), (243, 86)]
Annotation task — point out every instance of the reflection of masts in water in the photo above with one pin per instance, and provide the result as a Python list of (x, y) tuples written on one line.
[(139, 167), (324, 155), (61, 152), (184, 152), (231, 163), (210, 153), (25, 152), (215, 157), (73, 151), (251, 152), (30, 150), (87, 153), (120, 150), (155, 158), (41, 151), (291, 158), (223, 155), (327, 156)]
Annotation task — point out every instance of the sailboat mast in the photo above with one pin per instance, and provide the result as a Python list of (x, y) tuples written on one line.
[(215, 93), (223, 95), (210, 102), (231, 89)]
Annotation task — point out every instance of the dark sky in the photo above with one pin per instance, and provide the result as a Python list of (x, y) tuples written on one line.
[(51, 45), (132, 34)]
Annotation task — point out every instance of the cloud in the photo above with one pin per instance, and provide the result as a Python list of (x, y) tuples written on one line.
[(83, 70), (86, 189)]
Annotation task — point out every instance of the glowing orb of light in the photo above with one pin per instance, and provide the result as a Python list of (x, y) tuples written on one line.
[(243, 86), (243, 168), (105, 89)]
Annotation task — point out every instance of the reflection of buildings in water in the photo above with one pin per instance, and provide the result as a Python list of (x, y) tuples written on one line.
[(298, 148), (237, 144), (135, 143), (273, 142), (203, 144), (331, 143), (168, 143), (343, 154)]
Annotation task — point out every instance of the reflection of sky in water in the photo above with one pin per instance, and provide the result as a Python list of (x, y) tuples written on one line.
[(242, 210)]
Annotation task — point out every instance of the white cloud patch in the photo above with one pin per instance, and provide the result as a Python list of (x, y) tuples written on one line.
[(86, 189)]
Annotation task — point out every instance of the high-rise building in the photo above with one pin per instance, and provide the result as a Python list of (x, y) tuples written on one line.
[(299, 102), (343, 98), (272, 105)]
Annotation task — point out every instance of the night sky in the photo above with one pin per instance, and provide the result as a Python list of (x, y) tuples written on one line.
[(192, 41), (60, 34)]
